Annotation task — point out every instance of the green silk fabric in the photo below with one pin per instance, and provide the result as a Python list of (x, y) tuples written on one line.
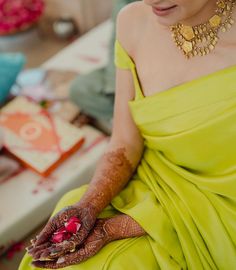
[(183, 192)]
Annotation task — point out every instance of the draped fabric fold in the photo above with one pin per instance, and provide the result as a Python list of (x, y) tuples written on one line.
[(184, 190)]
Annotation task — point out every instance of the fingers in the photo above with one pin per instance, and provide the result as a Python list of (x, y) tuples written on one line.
[(33, 241), (53, 251), (46, 233), (67, 260), (44, 248), (29, 248), (45, 264), (79, 237), (48, 251), (36, 251), (94, 242), (55, 223), (32, 246)]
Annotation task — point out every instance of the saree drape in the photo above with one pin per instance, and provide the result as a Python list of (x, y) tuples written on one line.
[(183, 192)]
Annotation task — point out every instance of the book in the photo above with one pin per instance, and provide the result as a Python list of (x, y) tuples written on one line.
[(39, 139)]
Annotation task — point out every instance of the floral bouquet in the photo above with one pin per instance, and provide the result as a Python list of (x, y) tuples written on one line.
[(18, 15)]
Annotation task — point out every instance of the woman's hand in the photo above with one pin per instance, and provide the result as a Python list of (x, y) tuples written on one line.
[(44, 249), (95, 241), (104, 231)]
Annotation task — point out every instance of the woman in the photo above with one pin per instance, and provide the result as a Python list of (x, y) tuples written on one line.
[(169, 170)]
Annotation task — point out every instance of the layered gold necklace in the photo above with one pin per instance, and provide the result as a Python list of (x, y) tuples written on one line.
[(202, 39)]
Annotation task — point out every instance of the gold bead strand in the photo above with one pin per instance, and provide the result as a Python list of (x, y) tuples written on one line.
[(202, 39)]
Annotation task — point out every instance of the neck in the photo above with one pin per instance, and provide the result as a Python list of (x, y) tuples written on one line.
[(204, 14)]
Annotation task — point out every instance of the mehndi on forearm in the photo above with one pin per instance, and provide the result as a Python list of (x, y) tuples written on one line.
[(112, 174)]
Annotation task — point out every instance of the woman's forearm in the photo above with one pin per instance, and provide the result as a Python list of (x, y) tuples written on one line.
[(111, 175)]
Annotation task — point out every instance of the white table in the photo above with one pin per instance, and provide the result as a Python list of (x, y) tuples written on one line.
[(87, 53), (26, 200)]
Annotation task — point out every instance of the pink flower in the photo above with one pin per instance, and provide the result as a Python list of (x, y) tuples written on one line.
[(73, 225), (60, 235), (65, 232), (18, 14), (57, 238)]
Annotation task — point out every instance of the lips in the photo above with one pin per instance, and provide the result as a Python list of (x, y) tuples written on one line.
[(164, 8), (163, 11)]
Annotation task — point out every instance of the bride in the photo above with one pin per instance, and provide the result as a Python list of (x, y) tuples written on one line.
[(164, 194)]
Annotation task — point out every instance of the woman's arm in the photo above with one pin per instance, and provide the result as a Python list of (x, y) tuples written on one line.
[(123, 152), (126, 145), (112, 173)]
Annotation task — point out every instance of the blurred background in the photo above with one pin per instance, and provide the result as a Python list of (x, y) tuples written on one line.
[(57, 84), (39, 36)]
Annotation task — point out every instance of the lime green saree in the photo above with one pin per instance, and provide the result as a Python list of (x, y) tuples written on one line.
[(184, 190)]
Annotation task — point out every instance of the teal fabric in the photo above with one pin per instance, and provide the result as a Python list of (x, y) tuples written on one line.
[(94, 92), (87, 93), (10, 66)]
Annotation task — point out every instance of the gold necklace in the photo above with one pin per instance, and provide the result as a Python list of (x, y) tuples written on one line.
[(202, 39)]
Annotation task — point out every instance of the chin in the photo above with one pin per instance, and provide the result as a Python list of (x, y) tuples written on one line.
[(169, 19)]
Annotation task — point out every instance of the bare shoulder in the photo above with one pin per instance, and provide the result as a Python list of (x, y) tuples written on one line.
[(129, 24)]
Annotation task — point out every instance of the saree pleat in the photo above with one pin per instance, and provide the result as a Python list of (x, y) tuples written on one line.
[(183, 192)]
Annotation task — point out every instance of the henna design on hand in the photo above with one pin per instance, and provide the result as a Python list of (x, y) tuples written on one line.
[(104, 231), (42, 250), (111, 175), (121, 227)]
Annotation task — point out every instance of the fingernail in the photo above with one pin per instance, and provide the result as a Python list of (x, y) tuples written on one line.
[(54, 252), (53, 255), (28, 250), (61, 260), (32, 241), (45, 259)]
